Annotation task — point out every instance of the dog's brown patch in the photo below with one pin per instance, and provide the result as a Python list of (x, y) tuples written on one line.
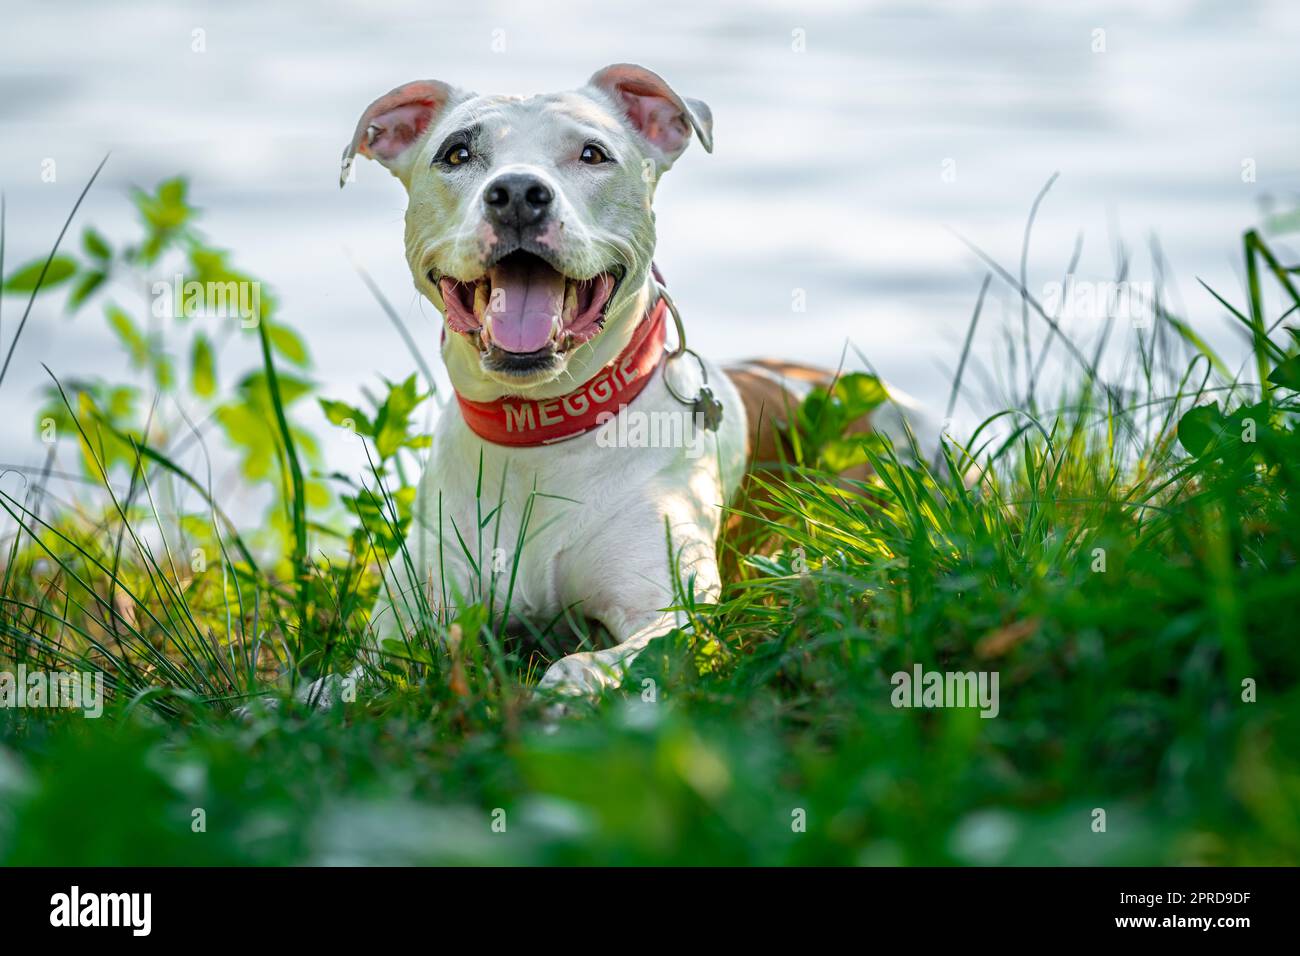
[(771, 391)]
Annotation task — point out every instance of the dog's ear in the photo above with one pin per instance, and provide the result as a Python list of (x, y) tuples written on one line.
[(394, 123), (663, 118)]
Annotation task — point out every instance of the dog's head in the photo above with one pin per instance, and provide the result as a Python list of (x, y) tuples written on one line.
[(529, 224)]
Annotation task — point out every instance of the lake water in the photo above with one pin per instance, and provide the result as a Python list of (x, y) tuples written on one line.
[(852, 142)]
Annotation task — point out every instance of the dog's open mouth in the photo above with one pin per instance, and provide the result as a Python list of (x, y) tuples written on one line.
[(525, 308)]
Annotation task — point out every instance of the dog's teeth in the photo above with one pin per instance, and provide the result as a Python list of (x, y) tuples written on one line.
[(570, 301), (480, 299), (484, 340)]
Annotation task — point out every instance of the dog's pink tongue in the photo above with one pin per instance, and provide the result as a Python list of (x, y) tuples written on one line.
[(527, 299)]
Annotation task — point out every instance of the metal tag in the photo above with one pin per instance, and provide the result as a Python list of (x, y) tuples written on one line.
[(707, 408)]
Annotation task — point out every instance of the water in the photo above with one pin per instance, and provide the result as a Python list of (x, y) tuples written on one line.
[(840, 173)]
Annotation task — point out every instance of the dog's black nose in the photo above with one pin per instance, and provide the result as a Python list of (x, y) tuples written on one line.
[(517, 199)]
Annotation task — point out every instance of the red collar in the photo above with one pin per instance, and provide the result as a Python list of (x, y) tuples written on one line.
[(524, 421)]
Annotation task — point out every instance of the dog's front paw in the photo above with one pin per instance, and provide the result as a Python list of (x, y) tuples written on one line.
[(323, 693), (581, 675)]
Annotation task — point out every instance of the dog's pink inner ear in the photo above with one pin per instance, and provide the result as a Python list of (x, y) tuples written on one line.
[(657, 118), (392, 124), (663, 118), (388, 133)]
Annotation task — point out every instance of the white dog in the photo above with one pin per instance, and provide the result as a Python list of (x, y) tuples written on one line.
[(529, 227)]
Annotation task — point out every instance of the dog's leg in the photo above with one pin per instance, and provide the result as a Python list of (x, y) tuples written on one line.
[(633, 604), (588, 673), (409, 600)]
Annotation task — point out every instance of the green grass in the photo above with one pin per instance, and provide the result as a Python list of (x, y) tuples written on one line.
[(1124, 557)]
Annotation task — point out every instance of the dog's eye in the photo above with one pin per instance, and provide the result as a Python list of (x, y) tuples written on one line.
[(457, 155), (593, 155)]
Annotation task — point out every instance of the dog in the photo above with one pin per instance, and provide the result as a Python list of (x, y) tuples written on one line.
[(530, 228)]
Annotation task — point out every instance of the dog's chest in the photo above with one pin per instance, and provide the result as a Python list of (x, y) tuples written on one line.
[(554, 522)]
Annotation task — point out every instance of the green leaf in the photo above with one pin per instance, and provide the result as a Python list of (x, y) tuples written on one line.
[(248, 430), (1199, 428), (255, 392), (165, 213), (172, 191), (318, 494), (347, 416), (163, 372), (392, 422), (843, 454), (373, 513), (130, 336), (1206, 432), (823, 416), (858, 394), (96, 245), (203, 368), (61, 269), (210, 265), (1235, 424), (1287, 375), (85, 288), (288, 343), (95, 405), (813, 411)]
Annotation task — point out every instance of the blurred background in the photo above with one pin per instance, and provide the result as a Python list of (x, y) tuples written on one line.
[(854, 143)]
